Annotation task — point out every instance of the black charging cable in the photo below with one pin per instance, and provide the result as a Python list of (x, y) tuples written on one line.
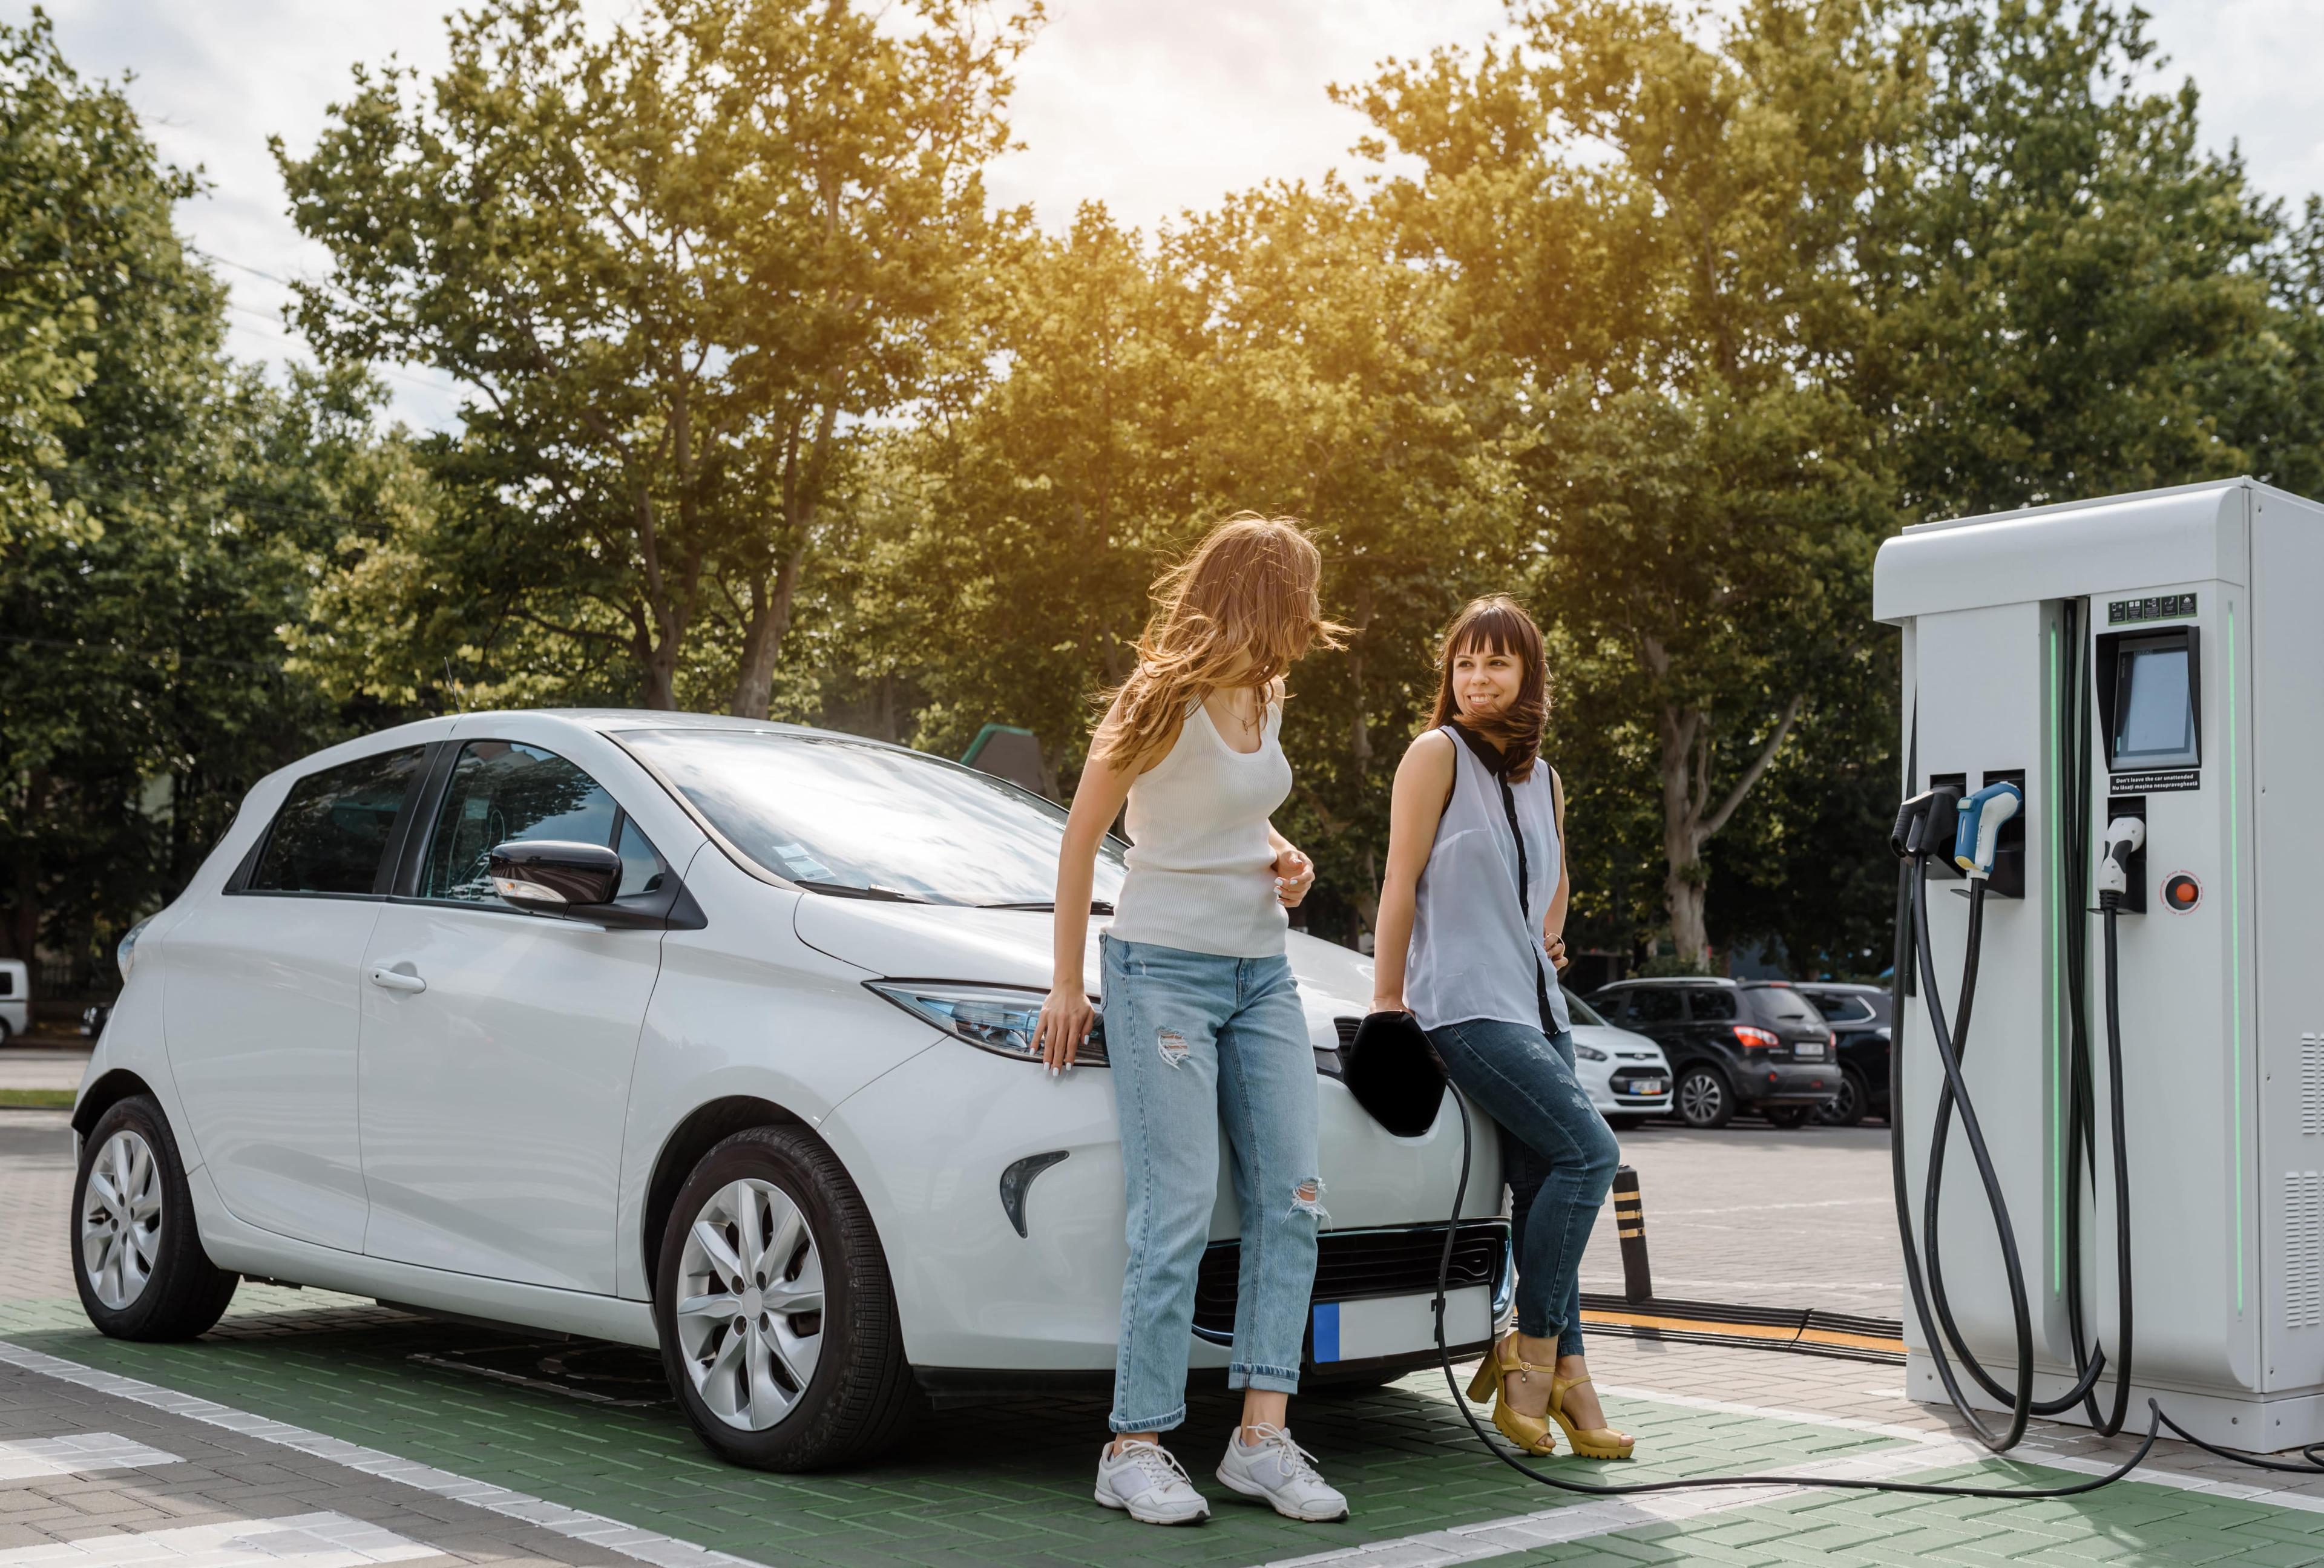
[(1705, 1482)]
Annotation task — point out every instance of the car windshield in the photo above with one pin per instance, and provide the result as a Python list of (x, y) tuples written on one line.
[(1580, 1011), (852, 818)]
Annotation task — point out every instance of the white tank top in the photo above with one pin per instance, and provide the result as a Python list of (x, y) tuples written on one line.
[(1201, 873), (1476, 950)]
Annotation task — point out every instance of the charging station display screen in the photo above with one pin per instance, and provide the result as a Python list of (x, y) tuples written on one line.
[(2154, 708)]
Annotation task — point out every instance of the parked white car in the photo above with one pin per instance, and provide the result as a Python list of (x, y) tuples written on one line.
[(1627, 1076), (16, 999), (689, 1032)]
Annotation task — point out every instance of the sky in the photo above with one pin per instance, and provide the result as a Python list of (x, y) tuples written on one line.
[(1152, 106)]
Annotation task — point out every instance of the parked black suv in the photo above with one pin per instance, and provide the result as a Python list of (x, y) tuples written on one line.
[(1733, 1045), (1859, 1016)]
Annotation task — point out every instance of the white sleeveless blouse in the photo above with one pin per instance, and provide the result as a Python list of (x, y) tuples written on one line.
[(1202, 872), (1477, 950)]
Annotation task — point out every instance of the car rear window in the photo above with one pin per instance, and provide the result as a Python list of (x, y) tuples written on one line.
[(1780, 1004), (332, 831), (1842, 1008), (1711, 1004)]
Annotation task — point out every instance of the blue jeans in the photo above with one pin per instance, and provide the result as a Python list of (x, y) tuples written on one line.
[(1557, 1154), (1199, 1042)]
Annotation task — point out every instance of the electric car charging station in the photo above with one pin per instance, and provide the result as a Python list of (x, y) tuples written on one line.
[(2114, 720)]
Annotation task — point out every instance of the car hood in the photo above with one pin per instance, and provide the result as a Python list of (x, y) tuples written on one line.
[(1012, 947)]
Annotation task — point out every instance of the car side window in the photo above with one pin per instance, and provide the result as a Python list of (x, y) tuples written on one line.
[(1711, 1004), (332, 831), (1653, 1004), (504, 791)]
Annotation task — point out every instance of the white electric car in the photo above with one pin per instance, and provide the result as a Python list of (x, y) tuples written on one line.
[(1627, 1076), (696, 1033)]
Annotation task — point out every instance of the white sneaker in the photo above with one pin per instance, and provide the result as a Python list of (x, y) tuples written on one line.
[(1283, 1473), (1143, 1480)]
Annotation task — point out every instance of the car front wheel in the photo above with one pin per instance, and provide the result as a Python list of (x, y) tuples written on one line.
[(779, 1326), (137, 1258), (1703, 1099)]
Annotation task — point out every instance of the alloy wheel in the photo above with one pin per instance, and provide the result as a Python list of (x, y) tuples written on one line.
[(1701, 1097), (750, 1304), (121, 1218)]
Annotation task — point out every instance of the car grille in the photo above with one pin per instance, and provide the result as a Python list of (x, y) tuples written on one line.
[(1354, 1265)]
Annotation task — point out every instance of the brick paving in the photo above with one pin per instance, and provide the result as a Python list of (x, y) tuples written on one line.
[(1008, 1483)]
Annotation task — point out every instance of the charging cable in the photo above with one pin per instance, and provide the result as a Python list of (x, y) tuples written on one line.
[(1923, 822)]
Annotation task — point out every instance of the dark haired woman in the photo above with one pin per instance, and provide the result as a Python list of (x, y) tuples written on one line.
[(1469, 915)]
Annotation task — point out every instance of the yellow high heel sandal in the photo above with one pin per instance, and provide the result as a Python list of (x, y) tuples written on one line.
[(1531, 1434), (1591, 1442)]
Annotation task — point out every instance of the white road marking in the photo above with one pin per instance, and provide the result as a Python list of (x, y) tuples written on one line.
[(26, 1458), (304, 1541), (1580, 1521), (645, 1545), (1928, 1449)]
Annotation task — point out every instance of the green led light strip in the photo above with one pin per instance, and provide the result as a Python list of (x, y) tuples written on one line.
[(2056, 801), (2236, 950)]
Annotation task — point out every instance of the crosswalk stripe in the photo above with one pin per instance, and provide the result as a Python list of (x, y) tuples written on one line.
[(645, 1545), (323, 1540), (25, 1459)]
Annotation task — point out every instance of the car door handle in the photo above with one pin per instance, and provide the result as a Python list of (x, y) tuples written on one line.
[(400, 978)]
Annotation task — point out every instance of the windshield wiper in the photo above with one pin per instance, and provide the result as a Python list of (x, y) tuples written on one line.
[(1048, 906), (846, 890)]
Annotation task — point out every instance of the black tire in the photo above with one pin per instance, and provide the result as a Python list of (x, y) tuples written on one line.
[(1851, 1104), (183, 1293), (1625, 1123), (856, 1401), (1787, 1117), (1704, 1099)]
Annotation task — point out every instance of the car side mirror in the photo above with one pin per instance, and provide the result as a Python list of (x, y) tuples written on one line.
[(548, 876)]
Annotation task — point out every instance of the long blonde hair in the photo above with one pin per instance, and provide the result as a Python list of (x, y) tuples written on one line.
[(1248, 589)]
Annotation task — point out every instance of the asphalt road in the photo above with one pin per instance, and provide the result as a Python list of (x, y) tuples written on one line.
[(1761, 1218)]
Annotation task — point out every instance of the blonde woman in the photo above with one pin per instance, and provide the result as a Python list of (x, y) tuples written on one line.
[(1203, 1021), (1470, 911)]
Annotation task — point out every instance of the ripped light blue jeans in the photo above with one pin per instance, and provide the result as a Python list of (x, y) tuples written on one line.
[(1558, 1153), (1200, 1042)]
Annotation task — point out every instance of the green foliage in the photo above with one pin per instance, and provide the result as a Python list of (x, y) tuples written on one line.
[(1665, 316), (182, 504), (675, 271)]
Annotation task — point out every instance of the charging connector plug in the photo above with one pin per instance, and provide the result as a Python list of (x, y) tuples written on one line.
[(2125, 837), (1981, 818)]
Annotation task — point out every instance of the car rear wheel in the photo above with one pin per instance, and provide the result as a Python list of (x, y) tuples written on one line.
[(1789, 1116), (138, 1261), (1703, 1099), (779, 1326), (1849, 1106)]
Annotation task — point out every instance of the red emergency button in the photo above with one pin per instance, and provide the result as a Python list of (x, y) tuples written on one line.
[(2182, 892)]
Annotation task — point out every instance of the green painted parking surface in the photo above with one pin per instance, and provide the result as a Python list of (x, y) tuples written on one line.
[(1010, 1483)]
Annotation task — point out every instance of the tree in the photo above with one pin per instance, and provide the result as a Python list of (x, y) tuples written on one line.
[(676, 271), (1652, 235), (185, 502)]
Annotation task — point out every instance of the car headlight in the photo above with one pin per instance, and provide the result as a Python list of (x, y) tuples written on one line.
[(999, 1018), (123, 955), (1589, 1053)]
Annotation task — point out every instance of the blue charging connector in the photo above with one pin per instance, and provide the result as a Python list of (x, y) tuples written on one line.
[(1979, 831)]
